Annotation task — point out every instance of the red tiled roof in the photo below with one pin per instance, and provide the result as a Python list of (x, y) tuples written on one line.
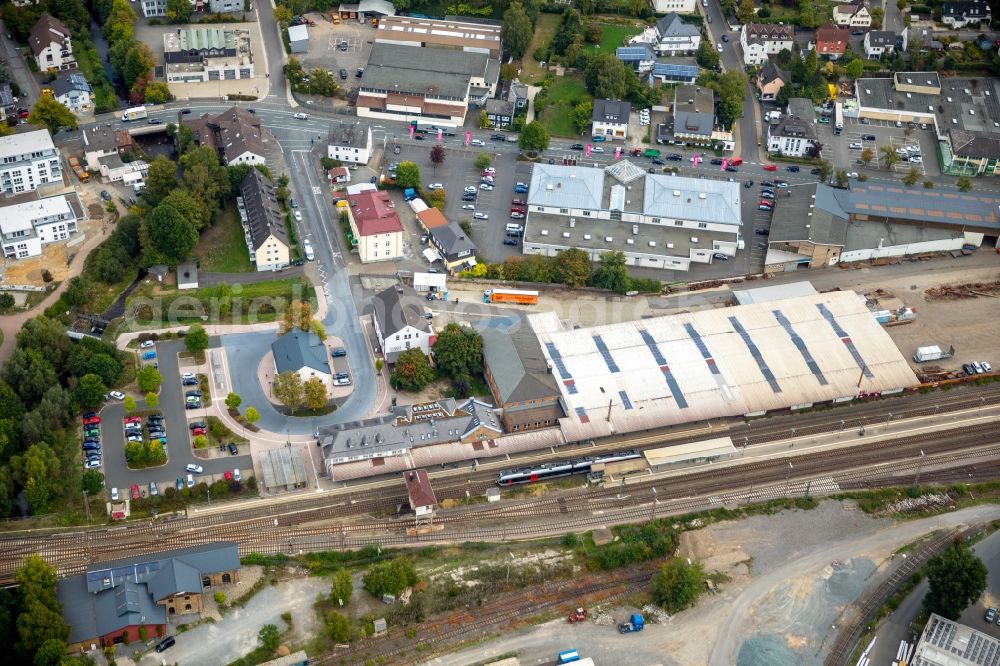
[(431, 218), (831, 39), (374, 213)]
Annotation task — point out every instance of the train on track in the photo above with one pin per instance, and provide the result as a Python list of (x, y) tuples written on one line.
[(554, 470)]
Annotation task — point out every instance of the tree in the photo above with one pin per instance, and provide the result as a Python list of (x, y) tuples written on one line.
[(233, 400), (196, 339), (569, 30), (581, 116), (878, 15), (297, 315), (606, 77), (92, 482), (911, 177), (139, 63), (289, 391), (168, 234), (314, 393), (854, 69), (179, 11), (6, 302), (825, 169), (193, 208), (508, 70), (731, 87), (707, 57), (517, 30), (889, 156), (436, 198), (161, 180), (412, 371), (677, 584), (148, 379), (251, 415), (339, 627), (30, 373), (407, 175), (321, 82), (955, 579), (458, 351), (482, 161), (745, 12), (90, 391), (867, 155), (282, 15), (51, 653), (483, 119), (438, 155), (964, 184), (49, 113), (157, 92), (269, 637), (390, 577), (841, 178), (152, 400), (612, 273), (40, 619), (340, 590), (47, 336), (534, 137), (572, 267), (129, 404)]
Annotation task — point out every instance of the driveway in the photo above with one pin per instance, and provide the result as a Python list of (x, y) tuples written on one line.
[(179, 452)]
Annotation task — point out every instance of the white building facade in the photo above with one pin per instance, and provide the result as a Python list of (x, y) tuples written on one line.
[(762, 40), (27, 161), (350, 143), (26, 227)]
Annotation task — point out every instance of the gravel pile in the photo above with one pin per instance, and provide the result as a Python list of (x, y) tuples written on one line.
[(655, 614)]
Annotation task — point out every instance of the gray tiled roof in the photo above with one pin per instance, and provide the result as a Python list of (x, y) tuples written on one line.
[(349, 135), (425, 71), (672, 25), (451, 240), (264, 215), (793, 126), (770, 71), (514, 357), (611, 111), (299, 349), (809, 212), (398, 307), (881, 38), (974, 144)]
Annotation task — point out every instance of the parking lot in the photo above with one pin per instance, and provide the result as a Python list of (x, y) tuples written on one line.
[(324, 47), (836, 148)]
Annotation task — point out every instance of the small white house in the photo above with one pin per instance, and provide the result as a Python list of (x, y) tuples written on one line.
[(304, 354), (610, 119), (298, 38), (400, 323), (350, 142), (760, 41)]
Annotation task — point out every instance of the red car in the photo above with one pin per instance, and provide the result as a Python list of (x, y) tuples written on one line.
[(770, 167), (199, 431), (92, 420), (135, 492), (735, 161), (766, 202), (132, 419), (228, 476)]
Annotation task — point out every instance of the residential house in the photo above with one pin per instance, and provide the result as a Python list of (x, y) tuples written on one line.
[(339, 175), (675, 37), (102, 151), (376, 226), (831, 41), (156, 8), (517, 92), (960, 14), (518, 375), (263, 223), (802, 107), (73, 92), (770, 80), (792, 137), (457, 251), (610, 119), (52, 44), (682, 6), (130, 600), (679, 70), (235, 134), (25, 227), (27, 161), (500, 112), (879, 42), (350, 142), (303, 353), (639, 58), (760, 41), (8, 108), (852, 14), (693, 115), (430, 218), (398, 317)]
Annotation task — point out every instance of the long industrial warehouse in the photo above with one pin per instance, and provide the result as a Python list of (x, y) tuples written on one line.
[(742, 360)]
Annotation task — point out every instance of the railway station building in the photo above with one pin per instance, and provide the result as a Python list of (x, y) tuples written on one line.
[(745, 360)]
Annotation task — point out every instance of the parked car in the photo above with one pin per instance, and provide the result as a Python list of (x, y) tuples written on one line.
[(510, 241), (767, 183), (732, 169), (146, 344), (236, 474), (720, 256), (301, 116), (991, 614), (792, 169), (92, 463), (114, 494), (854, 146), (148, 355), (153, 492), (770, 167), (190, 481), (343, 74), (481, 216), (761, 231), (767, 194), (767, 208), (197, 469), (486, 186), (233, 449), (135, 491)]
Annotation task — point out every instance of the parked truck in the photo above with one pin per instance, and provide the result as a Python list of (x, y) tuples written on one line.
[(81, 174), (519, 296), (135, 113), (635, 623), (573, 657), (409, 194), (932, 353)]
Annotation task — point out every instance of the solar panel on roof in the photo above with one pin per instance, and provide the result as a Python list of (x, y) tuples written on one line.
[(625, 401), (755, 352), (846, 339), (557, 359), (671, 68), (801, 346), (700, 344), (582, 415), (606, 354), (675, 388)]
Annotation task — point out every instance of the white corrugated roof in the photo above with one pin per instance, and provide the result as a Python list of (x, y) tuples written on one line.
[(692, 199), (561, 186), (724, 362), (775, 292)]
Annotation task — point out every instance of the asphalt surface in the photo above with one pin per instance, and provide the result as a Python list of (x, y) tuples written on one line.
[(175, 418)]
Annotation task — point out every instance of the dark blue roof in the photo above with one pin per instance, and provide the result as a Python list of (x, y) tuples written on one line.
[(634, 53), (671, 69)]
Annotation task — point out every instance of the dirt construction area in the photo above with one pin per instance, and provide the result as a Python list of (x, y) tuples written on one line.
[(791, 575)]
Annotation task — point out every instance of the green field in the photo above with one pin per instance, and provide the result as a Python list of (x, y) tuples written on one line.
[(564, 93), (613, 36), (531, 73), (222, 248)]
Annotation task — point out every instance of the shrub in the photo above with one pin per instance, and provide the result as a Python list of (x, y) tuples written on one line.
[(220, 597)]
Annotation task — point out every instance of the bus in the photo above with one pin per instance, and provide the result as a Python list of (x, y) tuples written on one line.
[(424, 127), (838, 118)]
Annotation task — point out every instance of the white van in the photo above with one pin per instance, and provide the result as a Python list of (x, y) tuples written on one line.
[(515, 229), (307, 246)]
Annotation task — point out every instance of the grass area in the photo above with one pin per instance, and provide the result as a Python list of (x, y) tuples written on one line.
[(89, 63), (564, 93), (613, 36), (545, 28), (222, 248), (224, 304)]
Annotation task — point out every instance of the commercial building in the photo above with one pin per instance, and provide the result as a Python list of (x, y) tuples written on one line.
[(156, 8), (25, 227), (195, 55), (428, 84), (234, 134), (793, 137), (770, 80), (760, 41), (396, 435), (131, 600), (263, 223), (657, 221), (303, 353), (518, 375), (945, 642), (376, 226), (366, 9), (610, 119), (27, 161), (350, 142), (445, 34), (73, 92), (51, 44), (853, 14), (682, 6), (739, 361), (400, 324), (817, 225)]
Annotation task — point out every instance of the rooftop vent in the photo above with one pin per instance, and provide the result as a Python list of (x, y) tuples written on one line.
[(587, 237), (702, 195), (635, 228), (677, 193), (629, 241), (694, 239), (544, 232), (652, 243), (949, 99), (608, 239), (972, 112), (572, 222), (670, 246), (565, 234)]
